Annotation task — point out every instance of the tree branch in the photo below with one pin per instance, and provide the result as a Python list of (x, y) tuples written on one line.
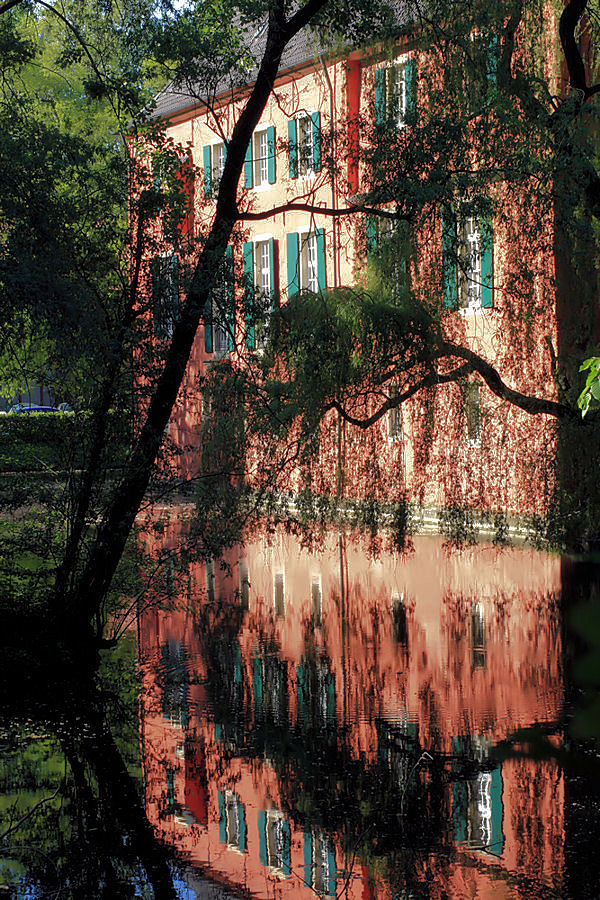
[(569, 20)]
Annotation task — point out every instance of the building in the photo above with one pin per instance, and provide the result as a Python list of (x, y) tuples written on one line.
[(486, 264)]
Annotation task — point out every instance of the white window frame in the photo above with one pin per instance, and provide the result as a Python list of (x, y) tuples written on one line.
[(216, 168), (220, 329), (316, 584), (259, 243), (306, 277), (306, 161), (260, 162), (394, 417), (274, 819), (399, 67), (171, 293), (470, 259), (474, 388)]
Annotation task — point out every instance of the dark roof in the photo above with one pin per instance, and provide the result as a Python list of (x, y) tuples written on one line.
[(304, 47), (177, 96)]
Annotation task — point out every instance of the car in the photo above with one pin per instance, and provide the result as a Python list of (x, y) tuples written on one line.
[(21, 408)]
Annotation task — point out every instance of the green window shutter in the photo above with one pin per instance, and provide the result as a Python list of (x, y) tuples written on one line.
[(371, 231), (410, 77), (497, 841), (262, 837), (271, 160), (257, 688), (272, 272), (316, 135), (379, 96), (207, 172), (287, 849), (293, 148), (308, 858), (222, 818), (249, 279), (487, 273), (293, 264), (230, 296), (332, 871), (208, 323), (321, 270), (449, 270), (242, 821), (248, 175)]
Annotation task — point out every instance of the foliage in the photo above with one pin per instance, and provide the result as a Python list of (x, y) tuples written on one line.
[(590, 395)]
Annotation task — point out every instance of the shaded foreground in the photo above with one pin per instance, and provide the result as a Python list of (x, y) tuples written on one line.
[(340, 721)]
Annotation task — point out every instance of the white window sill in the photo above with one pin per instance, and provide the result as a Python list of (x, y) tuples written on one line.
[(262, 187)]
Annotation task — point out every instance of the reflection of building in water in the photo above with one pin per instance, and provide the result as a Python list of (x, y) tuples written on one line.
[(302, 691)]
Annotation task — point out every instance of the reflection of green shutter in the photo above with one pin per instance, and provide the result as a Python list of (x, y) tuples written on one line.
[(218, 731), (332, 872), (450, 280), (497, 840), (207, 172), (491, 63), (272, 273), (287, 849), (293, 268), (257, 687), (230, 296), (248, 175), (459, 811), (222, 818), (321, 271), (249, 292), (293, 148), (262, 837), (271, 152), (237, 665), (330, 693), (487, 290), (410, 78), (316, 136), (170, 790), (379, 96), (302, 689), (242, 821), (308, 858)]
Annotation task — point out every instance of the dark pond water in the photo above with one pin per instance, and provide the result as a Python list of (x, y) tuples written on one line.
[(340, 721)]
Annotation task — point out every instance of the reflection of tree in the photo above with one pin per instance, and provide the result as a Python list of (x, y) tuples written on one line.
[(90, 837)]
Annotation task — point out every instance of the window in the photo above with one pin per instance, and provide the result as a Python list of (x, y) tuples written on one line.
[(319, 864), (274, 838), (473, 413), (279, 595), (219, 312), (232, 821), (306, 261), (214, 163), (165, 294), (259, 165), (395, 93), (316, 600), (304, 141), (478, 654), (259, 271), (244, 575), (395, 415), (466, 259)]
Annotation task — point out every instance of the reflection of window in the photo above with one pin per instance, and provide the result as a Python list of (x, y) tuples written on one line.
[(165, 295), (210, 580), (316, 600), (232, 821), (477, 808), (279, 595), (175, 680), (319, 864), (399, 622), (478, 649), (315, 685), (274, 841), (270, 689), (244, 575)]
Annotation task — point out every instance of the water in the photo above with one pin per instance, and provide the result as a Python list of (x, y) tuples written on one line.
[(335, 721)]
